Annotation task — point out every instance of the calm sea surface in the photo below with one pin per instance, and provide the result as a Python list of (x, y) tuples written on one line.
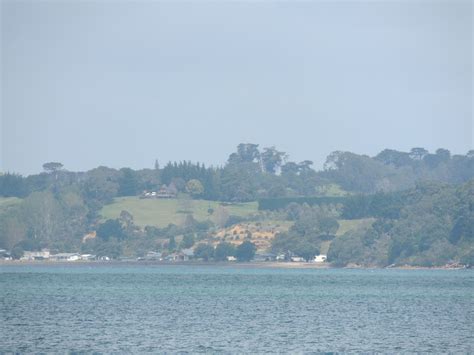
[(132, 308)]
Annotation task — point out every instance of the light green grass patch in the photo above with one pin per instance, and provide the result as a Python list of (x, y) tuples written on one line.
[(325, 247), (346, 225), (7, 202), (161, 212), (333, 190)]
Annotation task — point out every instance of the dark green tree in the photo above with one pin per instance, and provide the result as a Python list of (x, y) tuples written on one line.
[(246, 153), (328, 225), (110, 228), (223, 250), (204, 251), (393, 157), (13, 185), (418, 153), (100, 186), (246, 251), (172, 244), (17, 252), (52, 167), (194, 188), (128, 183), (188, 241), (272, 159), (111, 248), (306, 250)]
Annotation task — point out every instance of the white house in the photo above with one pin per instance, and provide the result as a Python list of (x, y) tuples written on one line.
[(5, 255), (152, 255), (35, 255), (66, 257), (320, 258), (280, 257), (88, 257)]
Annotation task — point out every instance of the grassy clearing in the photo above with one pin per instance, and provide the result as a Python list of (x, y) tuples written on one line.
[(7, 202), (260, 233), (325, 247), (332, 190), (160, 213), (346, 225)]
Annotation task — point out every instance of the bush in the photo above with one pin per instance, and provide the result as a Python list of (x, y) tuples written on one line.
[(233, 220), (110, 228), (280, 203), (17, 252), (204, 251), (223, 250), (188, 241), (246, 251), (468, 258), (345, 249)]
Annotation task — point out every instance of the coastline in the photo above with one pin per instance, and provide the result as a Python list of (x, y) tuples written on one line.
[(260, 265)]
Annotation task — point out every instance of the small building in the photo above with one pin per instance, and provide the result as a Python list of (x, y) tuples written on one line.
[(148, 194), (167, 192), (183, 255), (172, 257), (187, 254), (297, 259), (66, 257), (280, 257), (88, 257), (264, 257), (231, 258), (5, 255), (152, 255), (36, 255), (320, 258)]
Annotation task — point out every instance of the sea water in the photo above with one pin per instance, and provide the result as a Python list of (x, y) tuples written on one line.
[(211, 309)]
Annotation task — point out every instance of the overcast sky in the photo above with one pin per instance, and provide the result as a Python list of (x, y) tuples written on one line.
[(90, 83)]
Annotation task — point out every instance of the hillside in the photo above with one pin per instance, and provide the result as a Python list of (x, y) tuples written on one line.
[(263, 233), (402, 208), (347, 226), (7, 202), (161, 212)]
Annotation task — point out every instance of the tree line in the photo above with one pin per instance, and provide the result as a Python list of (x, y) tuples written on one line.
[(252, 173), (429, 225), (419, 205)]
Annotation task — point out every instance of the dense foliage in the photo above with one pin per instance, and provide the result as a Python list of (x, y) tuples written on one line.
[(313, 226), (279, 203), (251, 174), (420, 203), (434, 226)]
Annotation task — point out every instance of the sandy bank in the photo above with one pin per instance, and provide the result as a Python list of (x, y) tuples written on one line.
[(270, 265)]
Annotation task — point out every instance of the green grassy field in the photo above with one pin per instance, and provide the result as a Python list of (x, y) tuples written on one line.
[(347, 225), (6, 202), (160, 213)]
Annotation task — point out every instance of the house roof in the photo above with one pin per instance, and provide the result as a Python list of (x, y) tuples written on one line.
[(64, 255), (188, 252)]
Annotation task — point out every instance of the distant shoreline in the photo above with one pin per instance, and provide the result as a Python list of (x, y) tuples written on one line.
[(260, 265)]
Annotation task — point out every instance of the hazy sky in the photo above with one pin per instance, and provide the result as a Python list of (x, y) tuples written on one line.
[(91, 83)]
